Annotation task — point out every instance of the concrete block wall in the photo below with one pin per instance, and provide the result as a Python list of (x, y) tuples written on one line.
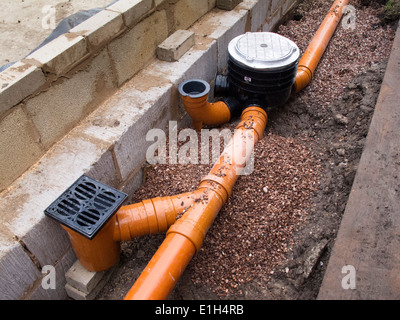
[(87, 110), (95, 58)]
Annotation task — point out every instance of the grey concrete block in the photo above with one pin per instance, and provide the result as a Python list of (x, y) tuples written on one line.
[(83, 284), (56, 111), (225, 26), (19, 142), (59, 292), (100, 28), (18, 272), (61, 54), (258, 12), (227, 4), (104, 170), (37, 241), (175, 46), (18, 82), (130, 150), (138, 46), (83, 280), (131, 10)]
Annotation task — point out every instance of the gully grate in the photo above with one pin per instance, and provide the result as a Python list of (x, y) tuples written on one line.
[(86, 206)]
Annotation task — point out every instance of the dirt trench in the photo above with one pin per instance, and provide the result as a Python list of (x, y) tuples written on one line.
[(273, 238)]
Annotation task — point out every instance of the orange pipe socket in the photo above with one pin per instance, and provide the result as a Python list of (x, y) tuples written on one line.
[(313, 54), (151, 216), (147, 217), (185, 237), (194, 95)]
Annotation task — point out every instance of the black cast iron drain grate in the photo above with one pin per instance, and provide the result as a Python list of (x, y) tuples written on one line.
[(86, 206)]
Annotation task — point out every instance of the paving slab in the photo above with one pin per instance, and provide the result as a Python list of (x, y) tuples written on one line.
[(365, 260)]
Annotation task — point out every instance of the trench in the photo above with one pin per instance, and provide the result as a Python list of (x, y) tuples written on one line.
[(273, 237)]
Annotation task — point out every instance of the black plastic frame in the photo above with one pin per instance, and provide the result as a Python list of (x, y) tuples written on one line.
[(86, 206)]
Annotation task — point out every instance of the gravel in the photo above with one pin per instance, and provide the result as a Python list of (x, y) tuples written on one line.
[(349, 51), (253, 232)]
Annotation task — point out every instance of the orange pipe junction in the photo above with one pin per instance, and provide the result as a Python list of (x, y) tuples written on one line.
[(313, 54), (185, 237), (146, 217)]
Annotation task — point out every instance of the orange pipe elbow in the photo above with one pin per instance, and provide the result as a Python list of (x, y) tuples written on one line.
[(194, 95), (313, 54)]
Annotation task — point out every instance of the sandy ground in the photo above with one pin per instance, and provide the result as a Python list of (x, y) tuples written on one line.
[(23, 23)]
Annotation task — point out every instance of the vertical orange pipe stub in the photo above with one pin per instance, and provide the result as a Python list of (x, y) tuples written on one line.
[(99, 253), (311, 57)]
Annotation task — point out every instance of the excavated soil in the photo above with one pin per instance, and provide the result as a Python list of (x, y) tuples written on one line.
[(274, 236)]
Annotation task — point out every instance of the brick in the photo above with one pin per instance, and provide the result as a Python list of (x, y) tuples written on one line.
[(176, 45), (132, 10), (18, 82), (57, 110), (138, 46), (61, 54), (83, 280), (227, 4), (200, 63), (20, 147), (187, 12), (100, 28), (83, 284)]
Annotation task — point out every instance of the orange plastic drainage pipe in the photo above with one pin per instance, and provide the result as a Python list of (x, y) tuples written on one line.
[(185, 237), (311, 57)]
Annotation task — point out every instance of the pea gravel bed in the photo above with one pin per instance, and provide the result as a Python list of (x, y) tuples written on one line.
[(273, 237)]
